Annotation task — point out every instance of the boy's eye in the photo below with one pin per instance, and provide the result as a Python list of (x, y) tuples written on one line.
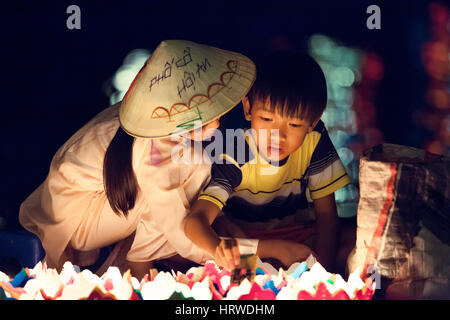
[(295, 125), (265, 119)]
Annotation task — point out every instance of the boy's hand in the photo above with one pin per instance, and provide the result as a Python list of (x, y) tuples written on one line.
[(286, 251), (227, 254), (292, 252)]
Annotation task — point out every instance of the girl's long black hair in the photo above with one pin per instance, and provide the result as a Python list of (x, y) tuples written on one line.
[(119, 180)]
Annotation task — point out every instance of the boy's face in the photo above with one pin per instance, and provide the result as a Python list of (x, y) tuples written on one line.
[(281, 135)]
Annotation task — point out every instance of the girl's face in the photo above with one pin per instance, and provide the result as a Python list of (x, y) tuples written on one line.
[(204, 132)]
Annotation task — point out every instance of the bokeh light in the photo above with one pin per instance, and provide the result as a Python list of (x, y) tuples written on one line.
[(126, 73), (350, 115), (436, 61), (342, 76)]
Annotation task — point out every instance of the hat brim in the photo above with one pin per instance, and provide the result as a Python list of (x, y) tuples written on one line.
[(158, 105)]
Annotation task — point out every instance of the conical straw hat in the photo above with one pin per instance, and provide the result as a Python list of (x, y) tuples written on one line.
[(182, 86)]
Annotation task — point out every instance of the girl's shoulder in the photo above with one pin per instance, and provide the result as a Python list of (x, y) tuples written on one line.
[(98, 132), (86, 148)]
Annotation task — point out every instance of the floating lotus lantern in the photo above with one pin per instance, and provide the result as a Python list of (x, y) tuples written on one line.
[(208, 282)]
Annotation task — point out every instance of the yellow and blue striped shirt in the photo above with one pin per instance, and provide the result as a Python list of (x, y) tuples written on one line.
[(249, 188)]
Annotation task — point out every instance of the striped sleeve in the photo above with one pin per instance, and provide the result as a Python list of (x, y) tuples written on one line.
[(226, 172), (326, 171), (224, 178)]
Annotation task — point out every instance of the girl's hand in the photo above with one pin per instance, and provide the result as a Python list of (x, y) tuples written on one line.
[(227, 254)]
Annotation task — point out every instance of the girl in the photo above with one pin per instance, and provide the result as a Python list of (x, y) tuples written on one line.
[(114, 180)]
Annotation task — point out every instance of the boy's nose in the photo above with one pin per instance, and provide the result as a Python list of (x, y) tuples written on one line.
[(278, 136), (281, 133)]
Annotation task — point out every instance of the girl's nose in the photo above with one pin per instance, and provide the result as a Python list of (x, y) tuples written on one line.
[(213, 125)]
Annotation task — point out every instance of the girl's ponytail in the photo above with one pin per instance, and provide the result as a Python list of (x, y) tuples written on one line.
[(118, 176)]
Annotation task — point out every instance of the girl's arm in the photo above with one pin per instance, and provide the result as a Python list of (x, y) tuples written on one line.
[(225, 228), (198, 229)]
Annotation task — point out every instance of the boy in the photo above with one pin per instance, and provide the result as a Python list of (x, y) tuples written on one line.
[(287, 154)]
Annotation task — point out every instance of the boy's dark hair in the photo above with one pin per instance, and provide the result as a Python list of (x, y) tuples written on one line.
[(293, 82)]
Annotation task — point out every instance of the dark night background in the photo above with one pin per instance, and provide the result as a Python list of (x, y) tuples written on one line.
[(52, 77)]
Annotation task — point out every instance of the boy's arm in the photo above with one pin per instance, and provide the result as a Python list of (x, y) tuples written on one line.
[(198, 229), (327, 174), (327, 230)]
